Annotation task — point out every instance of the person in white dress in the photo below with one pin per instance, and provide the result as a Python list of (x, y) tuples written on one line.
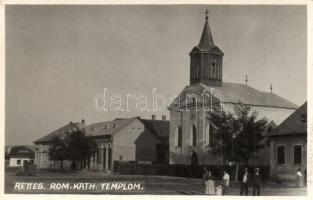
[(226, 178)]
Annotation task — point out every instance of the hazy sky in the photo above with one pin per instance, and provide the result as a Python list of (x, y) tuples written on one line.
[(59, 57)]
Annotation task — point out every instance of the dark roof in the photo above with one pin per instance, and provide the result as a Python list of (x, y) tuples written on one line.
[(294, 124), (206, 40), (234, 93), (206, 43), (68, 128), (21, 152), (107, 127), (159, 127)]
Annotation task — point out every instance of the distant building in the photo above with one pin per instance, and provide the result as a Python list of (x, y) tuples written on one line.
[(120, 140), (289, 146), (18, 155), (190, 127)]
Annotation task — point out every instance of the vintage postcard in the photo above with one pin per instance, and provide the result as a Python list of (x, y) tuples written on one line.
[(202, 99)]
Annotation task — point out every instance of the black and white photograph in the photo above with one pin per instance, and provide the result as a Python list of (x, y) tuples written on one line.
[(156, 99)]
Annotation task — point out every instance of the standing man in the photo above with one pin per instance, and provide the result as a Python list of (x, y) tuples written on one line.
[(225, 182), (245, 182), (256, 182)]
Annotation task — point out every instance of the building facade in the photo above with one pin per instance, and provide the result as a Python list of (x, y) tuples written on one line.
[(288, 144), (19, 155), (120, 140), (190, 127)]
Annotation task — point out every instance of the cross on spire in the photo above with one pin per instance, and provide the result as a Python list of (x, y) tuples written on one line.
[(206, 14)]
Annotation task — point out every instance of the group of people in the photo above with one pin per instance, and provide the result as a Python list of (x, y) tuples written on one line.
[(246, 181)]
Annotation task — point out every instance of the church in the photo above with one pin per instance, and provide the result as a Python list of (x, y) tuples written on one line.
[(190, 127)]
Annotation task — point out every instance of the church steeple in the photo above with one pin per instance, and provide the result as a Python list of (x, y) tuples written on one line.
[(206, 59), (206, 41)]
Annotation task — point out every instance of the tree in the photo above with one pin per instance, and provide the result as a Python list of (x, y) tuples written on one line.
[(239, 134), (58, 151), (75, 146), (80, 147)]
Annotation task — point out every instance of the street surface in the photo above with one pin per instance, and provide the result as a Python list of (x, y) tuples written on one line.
[(152, 184)]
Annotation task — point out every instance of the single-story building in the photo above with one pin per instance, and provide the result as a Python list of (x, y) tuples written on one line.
[(288, 144), (19, 155), (121, 140)]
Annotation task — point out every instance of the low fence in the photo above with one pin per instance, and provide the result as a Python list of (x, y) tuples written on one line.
[(180, 170)]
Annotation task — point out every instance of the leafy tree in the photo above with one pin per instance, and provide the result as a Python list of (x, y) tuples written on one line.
[(80, 147), (75, 146), (239, 135), (58, 151)]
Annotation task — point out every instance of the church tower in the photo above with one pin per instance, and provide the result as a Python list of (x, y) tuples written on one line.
[(206, 60)]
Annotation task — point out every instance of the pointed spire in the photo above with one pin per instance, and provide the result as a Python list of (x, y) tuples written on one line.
[(206, 41)]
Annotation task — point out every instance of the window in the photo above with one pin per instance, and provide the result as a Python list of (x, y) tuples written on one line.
[(207, 135), (281, 154), (178, 137), (18, 162), (214, 136), (209, 72), (297, 154), (194, 136)]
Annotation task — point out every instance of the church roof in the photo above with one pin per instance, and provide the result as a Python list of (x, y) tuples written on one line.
[(294, 124), (234, 93), (206, 41)]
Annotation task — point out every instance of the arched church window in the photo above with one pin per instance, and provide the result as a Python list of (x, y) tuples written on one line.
[(178, 137), (194, 136), (207, 135), (214, 136)]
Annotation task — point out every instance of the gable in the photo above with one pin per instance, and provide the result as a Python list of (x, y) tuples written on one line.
[(135, 133), (294, 124)]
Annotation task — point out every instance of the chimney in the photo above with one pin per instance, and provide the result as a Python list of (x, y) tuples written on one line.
[(164, 117), (71, 123), (83, 121), (153, 117)]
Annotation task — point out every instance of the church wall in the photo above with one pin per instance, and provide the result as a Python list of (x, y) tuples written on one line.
[(186, 119), (278, 115), (182, 155)]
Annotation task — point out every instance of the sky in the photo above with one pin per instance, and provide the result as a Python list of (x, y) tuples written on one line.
[(58, 58)]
